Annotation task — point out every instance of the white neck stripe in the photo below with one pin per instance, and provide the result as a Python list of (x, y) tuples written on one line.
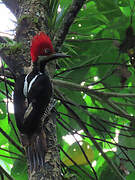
[(31, 82), (27, 86)]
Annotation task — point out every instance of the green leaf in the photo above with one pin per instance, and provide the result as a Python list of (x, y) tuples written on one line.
[(19, 170), (3, 109), (76, 154), (131, 176), (5, 126)]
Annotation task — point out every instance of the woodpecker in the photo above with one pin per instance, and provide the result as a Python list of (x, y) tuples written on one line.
[(33, 100)]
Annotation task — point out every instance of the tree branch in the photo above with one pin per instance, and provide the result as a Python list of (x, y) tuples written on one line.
[(90, 65), (67, 22), (78, 120), (76, 164), (100, 96), (86, 157), (86, 89), (14, 62)]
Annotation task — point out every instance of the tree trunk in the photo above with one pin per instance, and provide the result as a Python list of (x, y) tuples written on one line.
[(52, 169), (32, 18)]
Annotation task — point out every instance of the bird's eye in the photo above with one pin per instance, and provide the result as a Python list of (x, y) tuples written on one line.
[(47, 51)]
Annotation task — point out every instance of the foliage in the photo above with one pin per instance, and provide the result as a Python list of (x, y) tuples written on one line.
[(102, 116)]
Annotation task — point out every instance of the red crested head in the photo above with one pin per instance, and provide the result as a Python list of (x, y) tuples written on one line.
[(41, 46)]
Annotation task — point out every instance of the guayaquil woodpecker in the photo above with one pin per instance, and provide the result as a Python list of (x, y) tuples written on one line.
[(33, 101)]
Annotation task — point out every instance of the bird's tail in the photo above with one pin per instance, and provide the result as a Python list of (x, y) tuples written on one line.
[(36, 148)]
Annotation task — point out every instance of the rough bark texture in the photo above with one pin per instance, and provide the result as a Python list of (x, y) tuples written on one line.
[(51, 170), (32, 17)]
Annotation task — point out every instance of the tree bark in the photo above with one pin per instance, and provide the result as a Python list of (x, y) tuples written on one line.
[(32, 17), (52, 168)]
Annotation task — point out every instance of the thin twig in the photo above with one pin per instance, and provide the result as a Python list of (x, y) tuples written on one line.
[(5, 173), (76, 164), (10, 157), (67, 22), (77, 118), (86, 89), (12, 141), (102, 140), (90, 65), (11, 152), (78, 144)]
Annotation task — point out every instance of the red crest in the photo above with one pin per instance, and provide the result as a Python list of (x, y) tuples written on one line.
[(41, 46)]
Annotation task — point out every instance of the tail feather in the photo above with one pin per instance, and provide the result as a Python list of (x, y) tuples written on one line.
[(35, 150)]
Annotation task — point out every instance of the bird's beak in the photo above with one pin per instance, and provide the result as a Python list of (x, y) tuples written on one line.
[(52, 57)]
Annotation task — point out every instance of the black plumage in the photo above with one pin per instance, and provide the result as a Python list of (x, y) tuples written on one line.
[(31, 104)]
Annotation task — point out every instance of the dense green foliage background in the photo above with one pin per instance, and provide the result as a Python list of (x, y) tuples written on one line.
[(104, 111)]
